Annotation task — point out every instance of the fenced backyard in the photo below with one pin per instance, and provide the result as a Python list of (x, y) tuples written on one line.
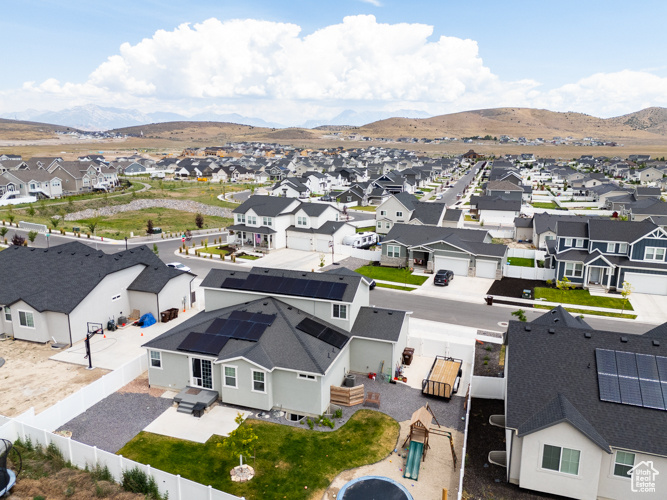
[(524, 272)]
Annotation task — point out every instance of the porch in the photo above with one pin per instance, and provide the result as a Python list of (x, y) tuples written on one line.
[(599, 279), (254, 239)]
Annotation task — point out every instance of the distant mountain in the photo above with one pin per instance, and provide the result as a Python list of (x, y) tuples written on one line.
[(359, 118), (91, 117)]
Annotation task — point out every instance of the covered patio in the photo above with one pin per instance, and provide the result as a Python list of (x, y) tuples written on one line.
[(257, 238)]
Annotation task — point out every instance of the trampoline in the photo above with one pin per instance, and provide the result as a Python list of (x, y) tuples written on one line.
[(374, 488)]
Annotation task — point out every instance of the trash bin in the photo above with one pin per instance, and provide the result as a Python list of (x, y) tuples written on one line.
[(157, 230), (527, 294), (489, 300), (408, 352), (349, 380)]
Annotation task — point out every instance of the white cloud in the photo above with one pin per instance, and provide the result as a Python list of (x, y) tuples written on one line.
[(270, 70), (376, 3)]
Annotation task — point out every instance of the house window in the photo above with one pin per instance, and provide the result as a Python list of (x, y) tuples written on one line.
[(393, 251), (302, 221), (305, 376), (623, 248), (8, 313), (561, 459), (579, 243), (574, 269), (156, 359), (26, 319), (240, 218), (387, 225), (115, 297), (383, 212), (349, 198), (267, 221), (230, 376), (611, 247), (399, 214), (623, 463), (252, 219), (339, 311), (201, 373), (654, 253), (568, 242), (258, 384), (379, 225)]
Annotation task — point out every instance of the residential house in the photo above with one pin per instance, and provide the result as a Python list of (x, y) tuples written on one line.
[(495, 209), (275, 338), (38, 183), (65, 288)]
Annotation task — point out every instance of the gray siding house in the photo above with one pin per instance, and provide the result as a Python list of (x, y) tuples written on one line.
[(274, 338)]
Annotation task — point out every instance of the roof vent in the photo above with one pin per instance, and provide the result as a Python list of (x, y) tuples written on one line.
[(552, 331), (289, 307), (232, 273), (265, 303), (303, 274), (33, 249), (266, 270), (624, 339), (60, 251), (656, 343), (553, 311), (587, 335), (341, 278), (528, 329), (375, 311), (556, 320), (390, 313)]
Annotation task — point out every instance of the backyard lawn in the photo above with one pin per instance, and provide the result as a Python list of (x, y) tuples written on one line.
[(520, 261), (549, 205), (364, 229), (580, 297), (288, 459), (391, 274), (365, 209)]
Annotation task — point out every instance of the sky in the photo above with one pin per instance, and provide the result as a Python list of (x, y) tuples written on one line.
[(291, 61)]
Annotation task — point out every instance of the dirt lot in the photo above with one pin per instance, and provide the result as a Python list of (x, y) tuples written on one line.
[(514, 287), (29, 378), (488, 362)]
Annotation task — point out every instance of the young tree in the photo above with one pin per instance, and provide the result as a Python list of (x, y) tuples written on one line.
[(149, 226), (92, 224), (55, 222), (3, 231), (625, 293), (18, 240), (31, 211), (240, 441), (199, 221), (564, 285), (32, 235), (521, 315), (156, 251)]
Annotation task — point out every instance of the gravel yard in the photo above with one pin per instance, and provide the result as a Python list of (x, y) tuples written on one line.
[(115, 420), (182, 205)]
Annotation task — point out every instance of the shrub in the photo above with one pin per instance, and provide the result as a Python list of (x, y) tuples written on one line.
[(101, 474), (310, 423), (338, 413), (137, 481)]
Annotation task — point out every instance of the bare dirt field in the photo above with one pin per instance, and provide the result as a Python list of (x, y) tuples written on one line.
[(29, 378)]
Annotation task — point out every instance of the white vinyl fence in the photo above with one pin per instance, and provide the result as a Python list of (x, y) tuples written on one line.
[(359, 253), (83, 455), (487, 387), (528, 273)]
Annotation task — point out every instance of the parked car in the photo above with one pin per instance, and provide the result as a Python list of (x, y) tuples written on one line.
[(419, 192), (443, 277), (327, 198), (179, 266), (438, 197)]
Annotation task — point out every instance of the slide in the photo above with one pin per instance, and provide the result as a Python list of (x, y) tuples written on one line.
[(411, 470)]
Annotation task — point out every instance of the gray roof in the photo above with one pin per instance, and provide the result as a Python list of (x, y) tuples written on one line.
[(252, 229), (408, 200), (572, 229), (559, 316), (216, 277), (348, 272), (541, 366), (523, 221), (428, 213), (266, 206), (282, 345), (313, 209), (378, 323), (453, 214), (495, 203), (617, 230), (329, 227), (503, 186), (59, 278)]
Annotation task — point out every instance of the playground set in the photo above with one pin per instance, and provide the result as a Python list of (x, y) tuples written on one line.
[(417, 440)]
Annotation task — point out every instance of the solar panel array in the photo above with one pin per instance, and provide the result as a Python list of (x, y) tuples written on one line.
[(322, 332), (632, 379), (288, 286), (240, 325)]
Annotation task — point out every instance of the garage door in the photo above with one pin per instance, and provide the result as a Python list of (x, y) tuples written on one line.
[(322, 244), (486, 269), (299, 243), (647, 283), (459, 266)]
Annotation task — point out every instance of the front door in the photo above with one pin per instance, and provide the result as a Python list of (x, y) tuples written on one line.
[(201, 373), (594, 276)]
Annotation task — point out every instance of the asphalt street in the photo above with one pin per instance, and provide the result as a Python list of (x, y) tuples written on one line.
[(449, 196)]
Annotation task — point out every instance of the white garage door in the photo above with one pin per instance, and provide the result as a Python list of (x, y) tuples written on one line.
[(647, 283), (459, 266), (322, 244), (299, 243), (486, 269)]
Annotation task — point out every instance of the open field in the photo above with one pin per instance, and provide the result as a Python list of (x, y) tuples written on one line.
[(30, 378)]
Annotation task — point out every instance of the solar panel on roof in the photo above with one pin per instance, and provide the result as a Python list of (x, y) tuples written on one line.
[(255, 332), (651, 394), (230, 327), (606, 361), (311, 288), (233, 283), (647, 367), (337, 291), (284, 285), (264, 319), (626, 364), (216, 326), (609, 390), (324, 290), (188, 342), (311, 327), (333, 338), (299, 287), (661, 361), (241, 315), (630, 391)]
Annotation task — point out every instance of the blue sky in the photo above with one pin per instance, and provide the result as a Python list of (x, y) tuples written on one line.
[(298, 60)]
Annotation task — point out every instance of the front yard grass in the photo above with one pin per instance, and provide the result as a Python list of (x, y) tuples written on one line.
[(580, 297), (365, 209), (521, 262), (391, 274), (248, 257), (395, 287), (590, 312), (364, 229), (549, 205), (216, 250), (288, 459)]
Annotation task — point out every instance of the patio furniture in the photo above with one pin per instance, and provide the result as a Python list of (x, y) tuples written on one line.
[(372, 398)]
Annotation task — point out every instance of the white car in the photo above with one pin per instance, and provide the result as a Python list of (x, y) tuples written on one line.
[(179, 266)]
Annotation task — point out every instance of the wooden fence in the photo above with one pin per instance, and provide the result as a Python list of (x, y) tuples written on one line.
[(347, 396)]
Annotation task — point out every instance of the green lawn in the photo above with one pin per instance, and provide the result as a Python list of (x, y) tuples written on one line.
[(521, 262), (391, 274), (365, 209), (426, 190), (395, 287), (364, 229), (580, 297), (596, 313), (549, 205), (216, 250), (249, 257), (288, 459)]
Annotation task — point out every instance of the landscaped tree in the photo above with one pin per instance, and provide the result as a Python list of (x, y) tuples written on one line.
[(149, 226), (521, 315), (199, 221), (31, 211), (92, 224), (18, 240), (156, 251), (3, 232), (32, 235), (625, 293), (564, 285), (11, 216), (55, 222), (240, 441)]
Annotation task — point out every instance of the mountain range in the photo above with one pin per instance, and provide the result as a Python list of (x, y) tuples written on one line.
[(97, 118)]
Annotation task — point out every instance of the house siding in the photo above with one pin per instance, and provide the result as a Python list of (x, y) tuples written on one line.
[(367, 355), (638, 249), (40, 332), (296, 395), (618, 488), (243, 394), (174, 374), (335, 375)]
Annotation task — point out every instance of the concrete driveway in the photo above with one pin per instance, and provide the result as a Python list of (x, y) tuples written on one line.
[(460, 288), (649, 308)]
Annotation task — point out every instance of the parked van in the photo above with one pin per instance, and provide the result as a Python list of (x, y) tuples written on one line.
[(361, 240)]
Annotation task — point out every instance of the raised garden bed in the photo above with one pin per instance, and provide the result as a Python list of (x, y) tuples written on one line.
[(489, 359)]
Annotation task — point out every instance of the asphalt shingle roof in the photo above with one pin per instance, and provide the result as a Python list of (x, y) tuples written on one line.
[(378, 323), (265, 206)]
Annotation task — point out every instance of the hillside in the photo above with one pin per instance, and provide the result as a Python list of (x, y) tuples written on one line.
[(23, 130)]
